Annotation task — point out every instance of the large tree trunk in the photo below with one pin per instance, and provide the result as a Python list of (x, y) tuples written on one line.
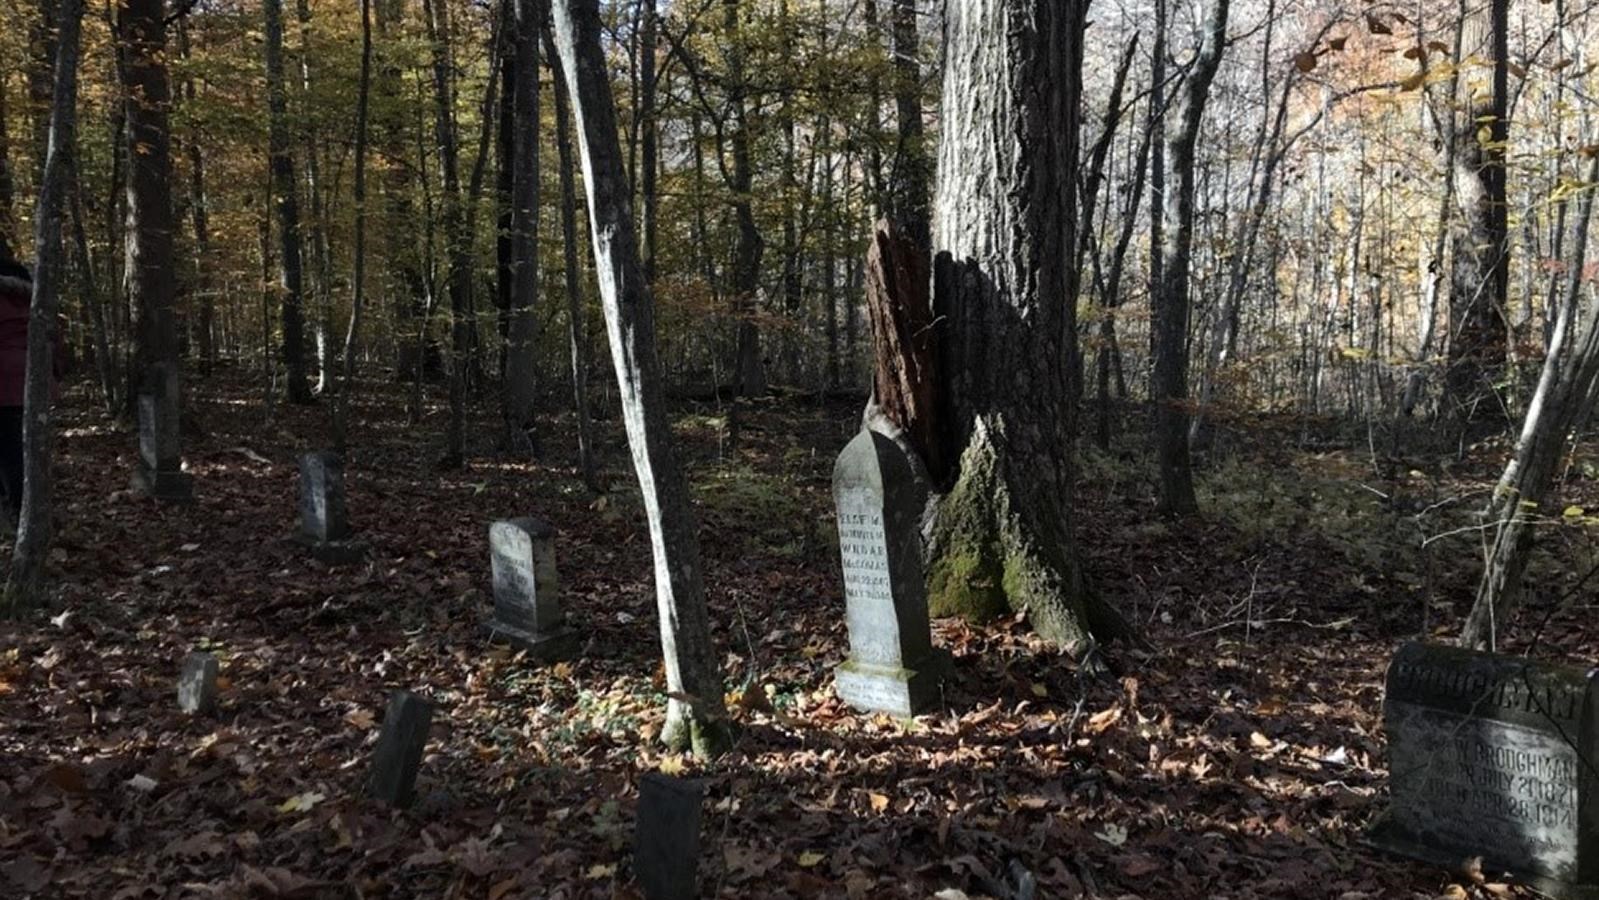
[(24, 587), (1562, 399), (1004, 224), (149, 228), (576, 330), (695, 714), (1481, 276), (291, 269), (1169, 325)]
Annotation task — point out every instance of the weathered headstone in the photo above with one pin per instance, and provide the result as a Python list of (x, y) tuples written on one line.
[(399, 750), (197, 685), (666, 838), (1493, 757), (892, 665), (160, 471), (527, 601), (324, 522)]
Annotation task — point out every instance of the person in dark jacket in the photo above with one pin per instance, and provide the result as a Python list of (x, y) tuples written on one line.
[(16, 295)]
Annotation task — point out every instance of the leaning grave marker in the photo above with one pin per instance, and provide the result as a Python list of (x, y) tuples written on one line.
[(892, 665), (1493, 756), (324, 516)]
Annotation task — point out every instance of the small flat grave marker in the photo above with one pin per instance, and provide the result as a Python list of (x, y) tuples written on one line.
[(527, 591), (666, 838), (324, 521), (399, 751), (197, 685), (159, 473), (892, 665), (1493, 756)]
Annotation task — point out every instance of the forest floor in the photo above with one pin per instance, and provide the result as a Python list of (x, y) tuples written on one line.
[(1241, 756)]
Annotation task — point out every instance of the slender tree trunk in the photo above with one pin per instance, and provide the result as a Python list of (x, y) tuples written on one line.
[(149, 231), (576, 327), (751, 367), (25, 586), (321, 249), (1563, 398), (343, 399), (291, 269), (527, 16), (201, 219), (1172, 304), (695, 714), (105, 366), (456, 232), (649, 144)]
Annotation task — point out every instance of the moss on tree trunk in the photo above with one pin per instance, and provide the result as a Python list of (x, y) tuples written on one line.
[(997, 548)]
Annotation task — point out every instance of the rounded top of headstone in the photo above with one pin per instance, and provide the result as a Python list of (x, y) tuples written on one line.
[(532, 526), (871, 460), (325, 458)]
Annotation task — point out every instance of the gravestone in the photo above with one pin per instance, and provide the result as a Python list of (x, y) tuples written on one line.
[(1493, 757), (892, 666), (399, 750), (197, 685), (160, 470), (666, 836), (527, 602), (324, 522)]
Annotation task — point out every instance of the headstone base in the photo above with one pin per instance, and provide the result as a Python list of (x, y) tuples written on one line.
[(334, 553), (896, 691), (1388, 838), (175, 487), (558, 644)]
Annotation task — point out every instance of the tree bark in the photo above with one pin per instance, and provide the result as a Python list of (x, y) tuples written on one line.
[(291, 269), (1004, 226), (25, 585), (1169, 326), (149, 231), (696, 716)]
